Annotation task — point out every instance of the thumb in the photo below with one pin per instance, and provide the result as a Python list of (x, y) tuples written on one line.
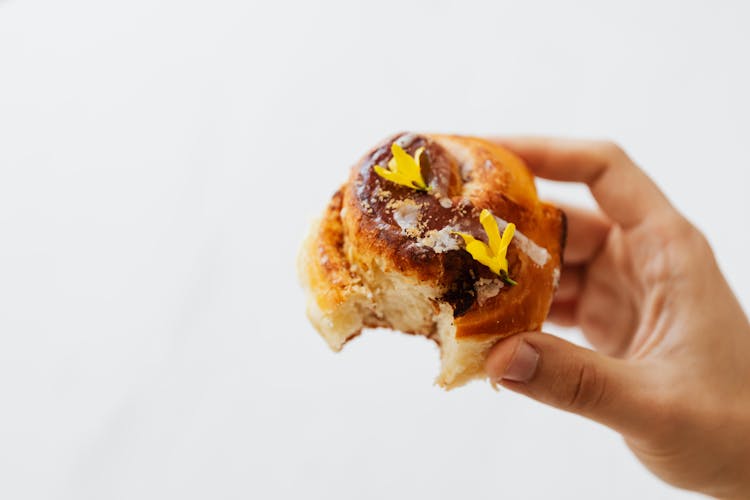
[(572, 378)]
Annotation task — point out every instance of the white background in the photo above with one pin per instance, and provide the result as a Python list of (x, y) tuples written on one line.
[(160, 162)]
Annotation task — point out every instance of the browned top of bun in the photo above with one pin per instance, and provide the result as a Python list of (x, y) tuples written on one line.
[(466, 175)]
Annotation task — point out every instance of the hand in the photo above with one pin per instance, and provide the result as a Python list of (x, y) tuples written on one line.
[(671, 370)]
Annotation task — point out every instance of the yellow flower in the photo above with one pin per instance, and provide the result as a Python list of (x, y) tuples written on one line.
[(403, 169), (492, 255)]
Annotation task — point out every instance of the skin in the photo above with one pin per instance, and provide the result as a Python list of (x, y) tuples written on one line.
[(670, 369)]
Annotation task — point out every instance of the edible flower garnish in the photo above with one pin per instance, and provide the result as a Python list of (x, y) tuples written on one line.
[(492, 255), (405, 170)]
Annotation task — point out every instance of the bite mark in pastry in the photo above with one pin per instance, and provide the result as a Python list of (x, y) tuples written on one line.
[(391, 250)]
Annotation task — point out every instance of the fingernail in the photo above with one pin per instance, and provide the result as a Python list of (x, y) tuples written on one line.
[(523, 365)]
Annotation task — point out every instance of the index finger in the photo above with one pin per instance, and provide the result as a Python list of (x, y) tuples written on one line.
[(623, 191)]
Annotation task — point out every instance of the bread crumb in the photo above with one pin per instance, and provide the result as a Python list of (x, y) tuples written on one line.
[(556, 278), (381, 194), (366, 207), (406, 215), (440, 241), (487, 288)]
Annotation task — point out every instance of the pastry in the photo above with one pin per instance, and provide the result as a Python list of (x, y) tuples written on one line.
[(436, 235)]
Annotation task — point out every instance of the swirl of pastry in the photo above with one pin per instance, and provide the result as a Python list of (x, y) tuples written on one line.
[(391, 253)]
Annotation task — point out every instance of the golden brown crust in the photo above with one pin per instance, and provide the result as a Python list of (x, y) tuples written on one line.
[(328, 272), (373, 230), (474, 174)]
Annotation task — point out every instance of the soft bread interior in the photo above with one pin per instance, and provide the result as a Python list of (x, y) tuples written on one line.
[(337, 303), (462, 360), (376, 297)]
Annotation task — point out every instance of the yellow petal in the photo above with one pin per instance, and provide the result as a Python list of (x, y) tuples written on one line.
[(510, 230), (467, 237), (405, 164), (403, 169), (381, 171), (493, 258), (416, 165), (392, 165), (480, 252), (490, 227), (388, 174), (477, 249)]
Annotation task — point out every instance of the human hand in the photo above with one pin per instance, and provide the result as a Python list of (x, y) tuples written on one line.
[(672, 361)]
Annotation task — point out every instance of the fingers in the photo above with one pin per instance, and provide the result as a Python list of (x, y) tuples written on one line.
[(587, 233), (563, 313), (563, 375), (571, 282), (563, 310), (624, 192)]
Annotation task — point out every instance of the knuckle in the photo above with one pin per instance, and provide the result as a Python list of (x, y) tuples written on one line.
[(587, 391), (667, 255), (610, 149), (672, 227), (695, 238), (685, 238), (680, 227), (609, 155), (669, 228)]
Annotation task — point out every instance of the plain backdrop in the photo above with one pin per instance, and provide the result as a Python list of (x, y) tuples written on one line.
[(160, 162)]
